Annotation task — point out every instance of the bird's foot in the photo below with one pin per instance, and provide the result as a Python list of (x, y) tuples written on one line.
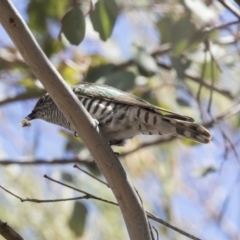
[(75, 134), (116, 154), (96, 122)]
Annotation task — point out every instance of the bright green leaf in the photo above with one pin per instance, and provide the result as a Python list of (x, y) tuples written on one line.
[(73, 26), (77, 220), (104, 17)]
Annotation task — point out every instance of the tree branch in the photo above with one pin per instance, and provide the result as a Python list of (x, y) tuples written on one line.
[(8, 233), (86, 127), (231, 8), (23, 96)]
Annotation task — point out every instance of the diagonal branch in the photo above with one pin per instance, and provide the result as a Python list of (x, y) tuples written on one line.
[(23, 96), (8, 233), (131, 207)]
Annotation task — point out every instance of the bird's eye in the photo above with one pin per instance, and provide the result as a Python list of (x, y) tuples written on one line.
[(41, 101)]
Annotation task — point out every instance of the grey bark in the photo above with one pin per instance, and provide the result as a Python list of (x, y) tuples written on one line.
[(130, 205)]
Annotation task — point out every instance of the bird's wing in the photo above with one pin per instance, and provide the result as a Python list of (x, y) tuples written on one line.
[(93, 90)]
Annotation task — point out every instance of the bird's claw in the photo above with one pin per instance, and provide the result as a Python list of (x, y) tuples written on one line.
[(75, 134), (96, 122)]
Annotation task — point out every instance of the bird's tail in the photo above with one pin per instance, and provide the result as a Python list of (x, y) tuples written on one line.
[(165, 125), (189, 130)]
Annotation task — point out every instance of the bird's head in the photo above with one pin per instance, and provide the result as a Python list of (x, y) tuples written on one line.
[(40, 111)]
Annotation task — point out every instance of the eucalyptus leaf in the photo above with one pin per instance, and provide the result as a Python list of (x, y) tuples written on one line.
[(103, 18), (77, 220), (73, 25)]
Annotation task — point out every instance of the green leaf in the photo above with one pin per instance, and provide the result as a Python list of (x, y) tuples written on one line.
[(123, 80), (180, 65), (104, 17), (211, 71), (67, 177), (181, 33), (145, 62), (73, 26), (77, 220), (94, 73), (203, 172), (182, 101), (164, 26), (39, 11)]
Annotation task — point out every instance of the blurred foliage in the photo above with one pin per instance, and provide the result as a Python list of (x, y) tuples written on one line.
[(119, 43), (73, 25), (103, 17), (78, 219)]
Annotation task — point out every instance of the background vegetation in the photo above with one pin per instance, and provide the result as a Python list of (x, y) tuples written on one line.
[(180, 55)]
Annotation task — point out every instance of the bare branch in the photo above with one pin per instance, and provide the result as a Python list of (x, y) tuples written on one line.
[(91, 196), (8, 233), (157, 219), (91, 175), (231, 8), (73, 110), (28, 161), (23, 96)]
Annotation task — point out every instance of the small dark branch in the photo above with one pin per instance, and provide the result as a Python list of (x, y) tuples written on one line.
[(208, 85), (221, 26), (230, 7), (238, 2), (227, 40), (86, 196), (156, 232), (78, 190), (8, 233), (229, 141), (151, 231), (86, 162), (212, 83), (10, 193), (197, 79), (202, 76), (144, 145), (23, 96), (157, 219), (90, 196), (227, 201), (91, 175), (161, 50), (228, 113)]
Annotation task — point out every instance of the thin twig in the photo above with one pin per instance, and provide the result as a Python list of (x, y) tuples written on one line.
[(23, 96), (48, 162), (153, 217), (221, 26), (78, 190), (91, 175), (155, 232), (230, 7), (8, 233), (91, 196)]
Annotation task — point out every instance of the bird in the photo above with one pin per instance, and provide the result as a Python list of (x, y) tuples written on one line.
[(120, 115)]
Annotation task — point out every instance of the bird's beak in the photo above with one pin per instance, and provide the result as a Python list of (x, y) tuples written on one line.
[(31, 116), (27, 119)]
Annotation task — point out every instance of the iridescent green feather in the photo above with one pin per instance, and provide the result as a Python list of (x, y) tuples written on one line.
[(93, 90)]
